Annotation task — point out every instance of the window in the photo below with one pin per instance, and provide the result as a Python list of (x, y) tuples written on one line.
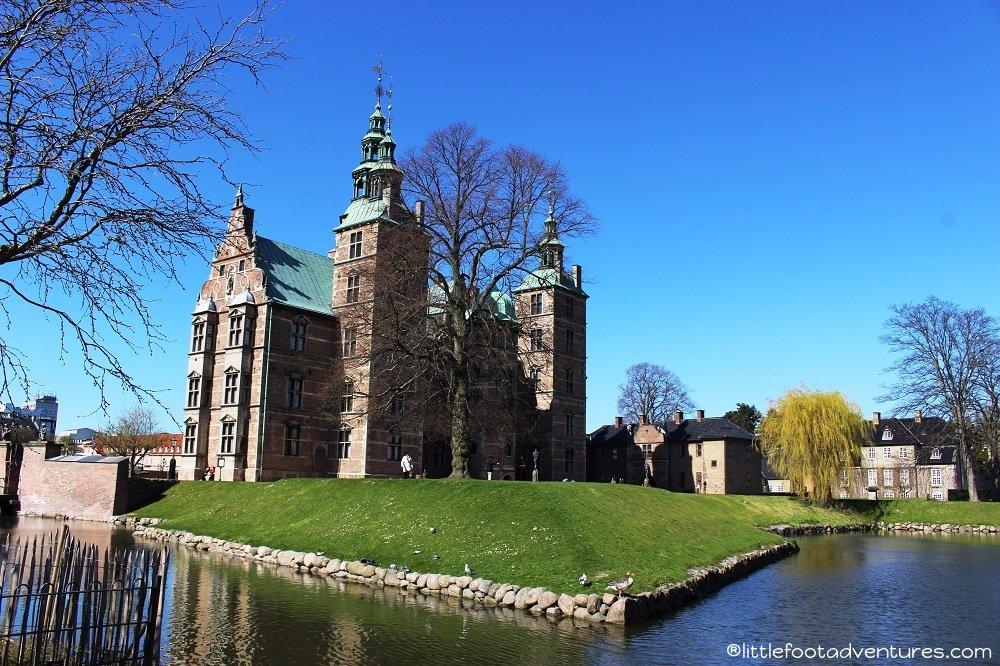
[(938, 495), (570, 382), (569, 461), (871, 453), (887, 477), (843, 477), (198, 336), (293, 438), (906, 494), (231, 392), (888, 494), (397, 405), (190, 437), (236, 330), (645, 451), (886, 435), (570, 340), (886, 451), (354, 249), (353, 288), (344, 442), (347, 399), (935, 477), (395, 446), (872, 478), (536, 304), (293, 393), (614, 454), (697, 450), (904, 452), (536, 378), (715, 463), (350, 341), (936, 454), (569, 424), (228, 436), (298, 339), (570, 308), (536, 339), (904, 477), (194, 391)]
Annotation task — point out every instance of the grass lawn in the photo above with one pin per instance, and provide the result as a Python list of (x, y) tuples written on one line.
[(926, 511), (525, 533)]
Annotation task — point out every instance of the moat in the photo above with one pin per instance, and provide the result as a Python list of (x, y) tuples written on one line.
[(862, 590)]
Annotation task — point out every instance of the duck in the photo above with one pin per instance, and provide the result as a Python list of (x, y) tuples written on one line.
[(621, 584), (584, 581)]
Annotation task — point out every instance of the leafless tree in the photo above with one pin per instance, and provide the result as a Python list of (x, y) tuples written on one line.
[(942, 351), (651, 392), (986, 420), (110, 112), (440, 336), (131, 434)]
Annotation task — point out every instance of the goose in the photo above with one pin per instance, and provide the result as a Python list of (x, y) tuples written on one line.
[(621, 584), (368, 561), (433, 530), (584, 580), (468, 570)]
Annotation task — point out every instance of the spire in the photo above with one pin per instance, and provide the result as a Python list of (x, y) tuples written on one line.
[(241, 217), (551, 248), (239, 197)]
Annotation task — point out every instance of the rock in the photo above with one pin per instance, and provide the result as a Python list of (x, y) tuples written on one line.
[(593, 603), (536, 610), (484, 586), (356, 568), (608, 598), (332, 567), (580, 600), (547, 599), (432, 582), (553, 612), (489, 602), (321, 561), (468, 594), (567, 604), (380, 573), (463, 581), (412, 577), (445, 580), (519, 599), (597, 617), (508, 598), (391, 579), (421, 580), (531, 598), (581, 614), (502, 591), (310, 559), (603, 609), (454, 590)]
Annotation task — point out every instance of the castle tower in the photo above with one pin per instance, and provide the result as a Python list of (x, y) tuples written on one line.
[(377, 239), (552, 308)]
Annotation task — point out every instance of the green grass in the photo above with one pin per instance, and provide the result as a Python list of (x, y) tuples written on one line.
[(925, 511), (525, 533)]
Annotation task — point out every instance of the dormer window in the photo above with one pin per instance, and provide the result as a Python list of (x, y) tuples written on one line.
[(935, 453), (886, 435)]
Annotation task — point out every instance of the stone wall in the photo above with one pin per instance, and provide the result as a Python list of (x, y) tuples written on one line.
[(587, 607), (88, 490)]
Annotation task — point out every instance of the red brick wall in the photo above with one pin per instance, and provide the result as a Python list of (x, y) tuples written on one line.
[(74, 489)]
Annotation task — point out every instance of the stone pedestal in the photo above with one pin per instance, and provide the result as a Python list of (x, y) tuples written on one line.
[(534, 475)]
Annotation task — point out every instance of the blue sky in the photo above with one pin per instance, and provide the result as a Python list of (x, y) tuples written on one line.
[(768, 177)]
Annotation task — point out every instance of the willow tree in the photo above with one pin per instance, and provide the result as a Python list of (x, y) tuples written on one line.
[(808, 436)]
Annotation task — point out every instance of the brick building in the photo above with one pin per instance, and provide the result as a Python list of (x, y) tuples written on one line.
[(701, 455), (905, 458), (277, 326)]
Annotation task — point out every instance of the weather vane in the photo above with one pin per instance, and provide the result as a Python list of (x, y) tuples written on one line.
[(379, 69)]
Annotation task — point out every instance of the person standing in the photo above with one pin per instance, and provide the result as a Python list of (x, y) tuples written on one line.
[(407, 464)]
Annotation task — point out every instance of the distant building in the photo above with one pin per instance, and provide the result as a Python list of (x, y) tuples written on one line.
[(905, 458), (42, 411), (700, 455), (774, 482)]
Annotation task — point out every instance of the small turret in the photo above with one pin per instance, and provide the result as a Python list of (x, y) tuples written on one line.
[(241, 216)]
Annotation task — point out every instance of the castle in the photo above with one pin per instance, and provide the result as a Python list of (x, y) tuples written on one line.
[(274, 334)]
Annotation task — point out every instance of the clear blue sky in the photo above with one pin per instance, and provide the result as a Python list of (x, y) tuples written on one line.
[(769, 177)]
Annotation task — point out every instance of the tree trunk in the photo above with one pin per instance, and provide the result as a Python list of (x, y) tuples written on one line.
[(460, 429), (970, 473)]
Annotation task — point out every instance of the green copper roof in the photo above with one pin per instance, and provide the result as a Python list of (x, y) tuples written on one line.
[(295, 277), (500, 305), (545, 278), (363, 210)]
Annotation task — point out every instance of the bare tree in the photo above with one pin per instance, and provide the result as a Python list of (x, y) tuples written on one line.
[(132, 434), (651, 392), (440, 336), (110, 111), (941, 351), (986, 420)]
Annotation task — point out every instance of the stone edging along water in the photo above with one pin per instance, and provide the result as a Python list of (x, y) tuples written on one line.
[(587, 608), (805, 530)]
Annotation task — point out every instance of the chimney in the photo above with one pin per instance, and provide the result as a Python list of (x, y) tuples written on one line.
[(678, 417), (876, 418), (700, 414), (642, 419), (917, 416), (418, 210), (578, 276), (618, 422)]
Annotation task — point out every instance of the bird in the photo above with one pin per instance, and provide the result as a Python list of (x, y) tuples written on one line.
[(433, 530), (468, 570), (404, 569), (435, 557), (621, 584), (584, 580), (392, 566), (367, 560), (417, 552)]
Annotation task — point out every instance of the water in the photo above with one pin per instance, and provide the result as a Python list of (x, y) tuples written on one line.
[(860, 589)]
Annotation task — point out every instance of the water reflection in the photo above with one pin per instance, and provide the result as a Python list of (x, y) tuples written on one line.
[(861, 589)]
